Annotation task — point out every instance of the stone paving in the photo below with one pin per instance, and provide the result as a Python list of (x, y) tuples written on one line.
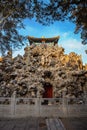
[(33, 123), (75, 123), (23, 124)]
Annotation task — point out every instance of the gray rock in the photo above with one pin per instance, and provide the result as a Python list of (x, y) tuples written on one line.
[(28, 74)]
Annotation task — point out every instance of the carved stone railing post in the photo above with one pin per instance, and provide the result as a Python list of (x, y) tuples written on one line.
[(37, 104), (85, 97), (37, 107), (64, 104), (13, 103)]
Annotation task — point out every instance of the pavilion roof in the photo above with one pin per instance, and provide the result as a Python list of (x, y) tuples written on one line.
[(40, 40)]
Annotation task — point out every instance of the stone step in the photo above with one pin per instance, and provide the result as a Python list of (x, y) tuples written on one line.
[(54, 124)]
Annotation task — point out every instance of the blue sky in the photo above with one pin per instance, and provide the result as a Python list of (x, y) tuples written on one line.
[(70, 41)]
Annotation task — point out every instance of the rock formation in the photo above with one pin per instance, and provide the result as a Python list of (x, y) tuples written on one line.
[(42, 65)]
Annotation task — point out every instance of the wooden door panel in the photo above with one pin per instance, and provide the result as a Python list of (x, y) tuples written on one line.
[(48, 92)]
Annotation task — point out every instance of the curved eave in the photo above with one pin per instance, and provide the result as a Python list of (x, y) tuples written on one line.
[(39, 40)]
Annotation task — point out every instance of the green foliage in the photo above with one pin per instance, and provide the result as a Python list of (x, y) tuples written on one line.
[(73, 10), (12, 13)]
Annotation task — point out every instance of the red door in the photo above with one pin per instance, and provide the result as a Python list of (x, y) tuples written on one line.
[(48, 92)]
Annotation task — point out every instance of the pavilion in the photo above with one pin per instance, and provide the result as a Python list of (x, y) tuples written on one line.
[(36, 41)]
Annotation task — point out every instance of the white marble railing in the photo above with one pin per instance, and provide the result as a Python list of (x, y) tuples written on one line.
[(44, 107)]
